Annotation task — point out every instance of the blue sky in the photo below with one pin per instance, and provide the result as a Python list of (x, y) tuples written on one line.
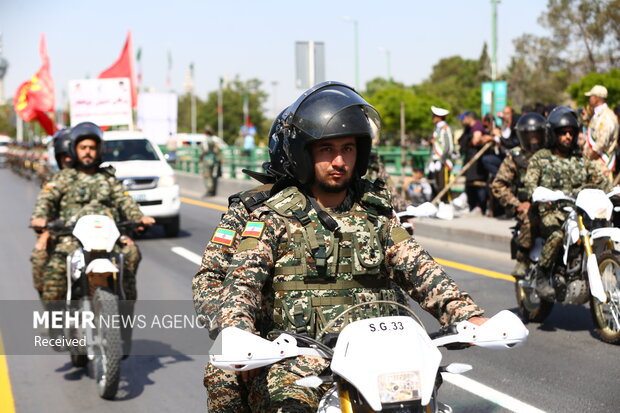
[(254, 39)]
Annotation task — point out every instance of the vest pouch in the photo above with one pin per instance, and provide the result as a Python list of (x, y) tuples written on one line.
[(368, 252), (296, 314), (375, 310)]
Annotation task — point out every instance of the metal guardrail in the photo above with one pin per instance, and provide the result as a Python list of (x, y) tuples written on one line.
[(234, 159)]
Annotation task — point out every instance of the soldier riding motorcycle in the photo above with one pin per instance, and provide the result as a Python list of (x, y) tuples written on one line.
[(573, 260)]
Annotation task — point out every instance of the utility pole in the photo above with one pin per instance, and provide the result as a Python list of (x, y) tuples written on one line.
[(220, 110), (493, 54), (402, 148)]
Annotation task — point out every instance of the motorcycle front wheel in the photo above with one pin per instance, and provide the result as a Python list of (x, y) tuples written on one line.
[(532, 307), (606, 316), (108, 348)]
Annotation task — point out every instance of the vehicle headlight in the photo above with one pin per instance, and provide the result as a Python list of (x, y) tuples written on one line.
[(399, 387), (167, 180)]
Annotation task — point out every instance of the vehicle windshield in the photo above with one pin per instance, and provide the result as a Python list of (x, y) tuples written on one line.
[(128, 150)]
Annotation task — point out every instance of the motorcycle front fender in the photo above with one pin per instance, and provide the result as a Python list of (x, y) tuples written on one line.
[(594, 278), (612, 233)]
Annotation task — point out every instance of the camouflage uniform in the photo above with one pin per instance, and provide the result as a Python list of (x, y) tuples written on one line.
[(507, 188), (224, 392), (74, 194), (568, 175), (212, 164), (310, 274)]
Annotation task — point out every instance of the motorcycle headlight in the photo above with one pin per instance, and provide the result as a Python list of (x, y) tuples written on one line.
[(399, 387), (167, 180)]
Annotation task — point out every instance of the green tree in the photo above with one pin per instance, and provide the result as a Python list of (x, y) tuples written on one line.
[(7, 120), (184, 118), (584, 36), (535, 74), (457, 81), (610, 80), (418, 121), (232, 98)]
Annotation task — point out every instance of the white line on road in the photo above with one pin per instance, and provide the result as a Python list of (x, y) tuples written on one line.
[(463, 382), (187, 254), (490, 394)]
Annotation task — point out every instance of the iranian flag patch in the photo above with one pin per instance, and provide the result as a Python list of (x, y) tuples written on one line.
[(223, 236), (253, 229)]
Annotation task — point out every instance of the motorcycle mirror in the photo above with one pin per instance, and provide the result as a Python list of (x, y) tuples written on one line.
[(617, 209)]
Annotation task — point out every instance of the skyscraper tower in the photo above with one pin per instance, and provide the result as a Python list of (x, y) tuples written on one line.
[(4, 64)]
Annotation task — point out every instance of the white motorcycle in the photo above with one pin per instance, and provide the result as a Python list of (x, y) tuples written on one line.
[(590, 266), (94, 290), (377, 364)]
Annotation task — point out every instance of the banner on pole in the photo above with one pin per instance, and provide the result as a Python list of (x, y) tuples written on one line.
[(105, 102), (501, 94)]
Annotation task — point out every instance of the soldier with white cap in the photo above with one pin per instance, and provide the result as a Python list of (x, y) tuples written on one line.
[(602, 132), (443, 145)]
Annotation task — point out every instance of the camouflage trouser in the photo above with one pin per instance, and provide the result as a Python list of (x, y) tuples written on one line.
[(38, 258), (274, 388), (551, 230), (55, 277), (225, 393), (209, 176), (524, 238)]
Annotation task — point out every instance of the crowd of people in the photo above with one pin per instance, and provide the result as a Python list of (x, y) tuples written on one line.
[(597, 139)]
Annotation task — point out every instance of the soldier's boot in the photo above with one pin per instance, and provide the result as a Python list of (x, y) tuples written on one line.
[(543, 287), (519, 269), (521, 265)]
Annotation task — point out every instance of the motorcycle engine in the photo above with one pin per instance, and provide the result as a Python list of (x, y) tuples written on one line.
[(577, 293)]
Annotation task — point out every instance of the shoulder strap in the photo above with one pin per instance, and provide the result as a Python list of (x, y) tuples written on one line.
[(375, 198), (253, 198)]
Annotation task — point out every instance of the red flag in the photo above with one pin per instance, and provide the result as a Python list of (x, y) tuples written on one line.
[(124, 67), (34, 97)]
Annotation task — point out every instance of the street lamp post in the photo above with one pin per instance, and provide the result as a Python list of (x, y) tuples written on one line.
[(388, 58), (357, 56)]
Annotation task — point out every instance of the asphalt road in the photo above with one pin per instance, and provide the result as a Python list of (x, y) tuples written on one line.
[(563, 367)]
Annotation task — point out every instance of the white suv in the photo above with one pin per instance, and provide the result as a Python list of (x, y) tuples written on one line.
[(143, 171)]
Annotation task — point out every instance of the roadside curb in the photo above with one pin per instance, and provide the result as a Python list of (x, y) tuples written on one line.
[(475, 231)]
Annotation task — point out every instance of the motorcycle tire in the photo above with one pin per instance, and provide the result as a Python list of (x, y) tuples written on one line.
[(532, 308), (606, 316), (109, 348)]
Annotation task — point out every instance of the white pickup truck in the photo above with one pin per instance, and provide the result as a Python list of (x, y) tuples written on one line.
[(143, 171)]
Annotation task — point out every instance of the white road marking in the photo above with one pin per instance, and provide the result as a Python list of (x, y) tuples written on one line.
[(187, 254), (489, 394), (458, 380)]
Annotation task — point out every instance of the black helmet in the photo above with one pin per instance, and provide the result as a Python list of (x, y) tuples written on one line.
[(326, 111), (531, 125), (562, 117), (62, 142), (81, 131)]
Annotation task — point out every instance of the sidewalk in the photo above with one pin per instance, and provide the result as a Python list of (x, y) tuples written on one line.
[(471, 230)]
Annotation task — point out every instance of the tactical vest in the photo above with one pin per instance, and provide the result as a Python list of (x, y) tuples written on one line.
[(319, 273), (521, 161), (565, 174), (87, 194)]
